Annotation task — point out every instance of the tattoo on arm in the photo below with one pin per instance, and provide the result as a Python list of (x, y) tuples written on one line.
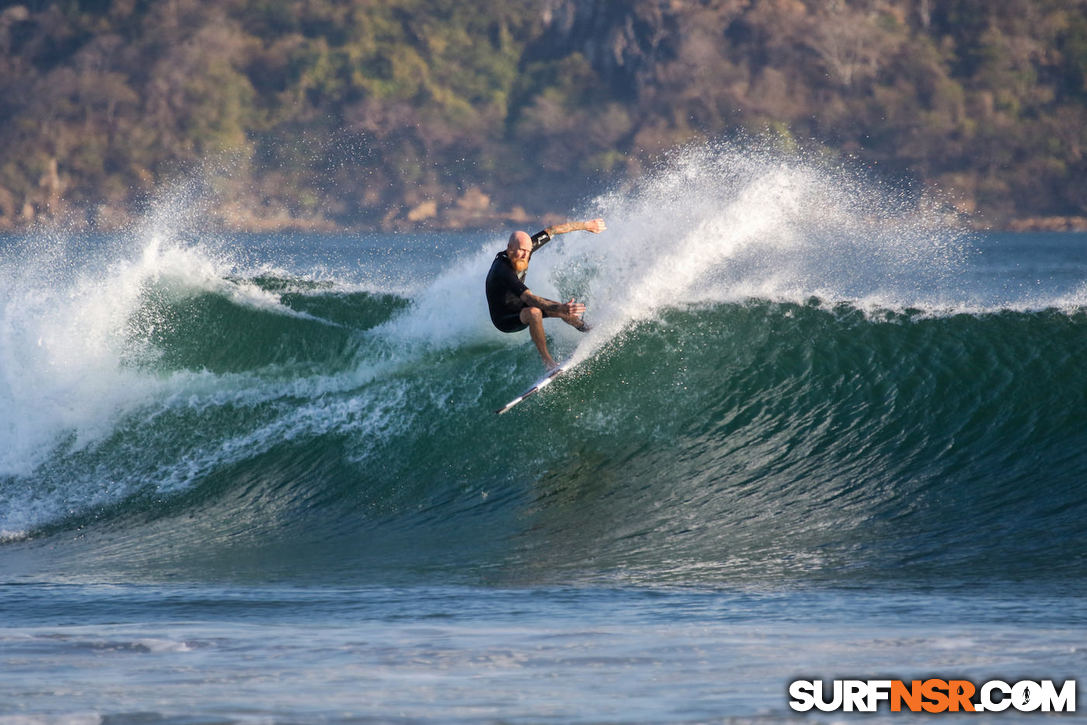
[(550, 307), (565, 228)]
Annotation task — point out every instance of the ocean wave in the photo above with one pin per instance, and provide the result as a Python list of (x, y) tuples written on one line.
[(789, 374), (736, 437)]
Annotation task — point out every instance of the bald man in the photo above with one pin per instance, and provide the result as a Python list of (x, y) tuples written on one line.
[(512, 305)]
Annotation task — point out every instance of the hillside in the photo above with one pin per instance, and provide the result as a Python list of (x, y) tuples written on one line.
[(436, 113)]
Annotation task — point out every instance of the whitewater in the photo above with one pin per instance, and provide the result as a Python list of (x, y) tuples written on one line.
[(817, 429)]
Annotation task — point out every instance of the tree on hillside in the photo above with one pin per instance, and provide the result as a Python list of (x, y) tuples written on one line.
[(407, 112)]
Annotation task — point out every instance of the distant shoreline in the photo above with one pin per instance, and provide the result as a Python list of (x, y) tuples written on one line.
[(1048, 224)]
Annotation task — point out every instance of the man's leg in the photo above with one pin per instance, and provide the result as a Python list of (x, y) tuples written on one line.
[(533, 317)]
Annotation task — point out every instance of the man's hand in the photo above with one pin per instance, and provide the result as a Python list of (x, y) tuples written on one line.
[(595, 226), (572, 308)]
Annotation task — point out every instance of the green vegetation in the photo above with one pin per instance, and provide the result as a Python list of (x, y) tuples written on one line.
[(396, 113)]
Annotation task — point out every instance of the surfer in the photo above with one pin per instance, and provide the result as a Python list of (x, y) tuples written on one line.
[(512, 305)]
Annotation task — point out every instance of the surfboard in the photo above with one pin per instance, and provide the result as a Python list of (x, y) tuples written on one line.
[(536, 386)]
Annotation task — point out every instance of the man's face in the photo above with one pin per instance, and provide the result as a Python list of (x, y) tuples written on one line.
[(519, 250)]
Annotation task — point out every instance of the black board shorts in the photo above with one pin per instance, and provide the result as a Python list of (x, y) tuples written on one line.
[(510, 322)]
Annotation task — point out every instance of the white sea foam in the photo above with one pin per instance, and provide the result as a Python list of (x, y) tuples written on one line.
[(66, 343), (75, 333), (452, 308), (160, 645)]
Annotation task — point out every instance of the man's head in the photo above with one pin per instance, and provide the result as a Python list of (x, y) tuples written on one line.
[(519, 250)]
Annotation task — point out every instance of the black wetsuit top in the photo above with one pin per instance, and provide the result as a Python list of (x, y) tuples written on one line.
[(505, 287)]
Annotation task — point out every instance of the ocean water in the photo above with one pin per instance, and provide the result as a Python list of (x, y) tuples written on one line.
[(815, 432)]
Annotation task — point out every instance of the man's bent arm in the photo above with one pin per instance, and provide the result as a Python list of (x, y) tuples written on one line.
[(549, 306)]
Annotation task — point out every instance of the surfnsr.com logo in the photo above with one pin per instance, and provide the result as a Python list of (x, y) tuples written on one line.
[(932, 695)]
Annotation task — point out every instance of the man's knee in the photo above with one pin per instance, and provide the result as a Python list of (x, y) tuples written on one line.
[(531, 313)]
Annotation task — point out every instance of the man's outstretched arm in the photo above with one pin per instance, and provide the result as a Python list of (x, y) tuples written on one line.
[(593, 225), (543, 237)]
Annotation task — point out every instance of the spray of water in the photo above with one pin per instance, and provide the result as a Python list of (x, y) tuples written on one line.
[(732, 222)]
